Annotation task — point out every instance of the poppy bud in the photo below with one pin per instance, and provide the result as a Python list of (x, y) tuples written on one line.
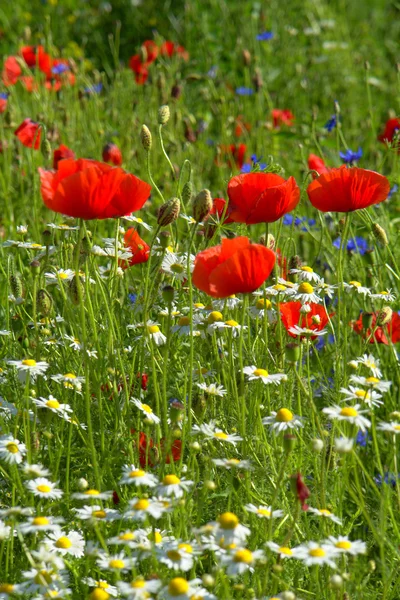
[(46, 237), (168, 212), (76, 290), (380, 234), (292, 352), (176, 91), (202, 204), (294, 262), (289, 442), (145, 137), (246, 57), (16, 285), (168, 294), (300, 489), (163, 114), (384, 316), (164, 239), (35, 267), (44, 302), (45, 148), (112, 154), (187, 193), (367, 320)]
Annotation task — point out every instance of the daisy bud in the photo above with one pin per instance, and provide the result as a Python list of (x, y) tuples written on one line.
[(246, 57), (210, 485), (168, 212), (288, 596), (164, 239), (45, 149), (316, 319), (292, 352), (202, 204), (277, 568), (395, 414), (76, 290), (336, 581), (177, 433), (343, 445), (353, 364), (82, 484), (44, 302), (145, 137), (289, 442), (208, 580), (384, 316), (163, 114), (35, 267), (372, 565), (168, 293), (195, 446), (187, 193), (380, 234), (317, 445), (367, 320), (305, 309)]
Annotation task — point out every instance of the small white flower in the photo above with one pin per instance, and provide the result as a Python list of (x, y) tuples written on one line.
[(139, 589), (132, 218), (12, 451), (305, 274), (92, 494), (389, 427), (96, 514), (356, 287), (43, 488), (260, 307), (118, 563), (232, 463), (386, 296), (241, 560), (177, 556), (369, 397), (146, 410), (231, 302), (53, 405), (305, 294), (282, 420), (102, 584), (29, 368), (306, 332), (214, 433), (40, 523), (183, 326), (35, 471), (371, 382), (313, 553), (176, 265), (343, 545), (5, 532), (133, 476), (228, 529), (69, 381), (350, 414), (141, 508), (71, 543), (325, 513), (173, 486), (155, 334), (371, 363), (253, 373), (212, 389), (283, 551), (263, 512), (344, 445)]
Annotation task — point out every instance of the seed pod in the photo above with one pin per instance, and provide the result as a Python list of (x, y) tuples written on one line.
[(202, 204), (168, 294), (176, 91), (45, 148), (145, 137), (384, 316), (168, 212), (380, 234), (187, 193), (44, 302), (163, 114), (76, 290), (35, 267)]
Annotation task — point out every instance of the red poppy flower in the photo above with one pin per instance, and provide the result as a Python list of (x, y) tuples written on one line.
[(149, 452), (150, 51), (11, 71), (89, 189), (29, 83), (317, 164), (392, 126), (381, 334), (171, 49), (29, 134), (233, 154), (3, 104), (61, 153), (236, 266), (261, 197), (140, 69), (144, 378), (112, 154), (36, 56), (346, 190), (140, 250), (315, 320), (282, 117), (241, 127), (302, 491), (218, 209)]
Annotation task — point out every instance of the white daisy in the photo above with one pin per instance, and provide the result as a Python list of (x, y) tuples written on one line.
[(146, 410), (183, 326), (29, 368), (371, 382), (389, 427), (212, 389), (62, 227), (43, 488), (53, 405), (305, 293), (355, 286), (155, 334), (125, 538), (101, 584), (283, 551), (343, 445), (118, 563), (240, 560), (172, 486), (263, 512), (176, 265), (371, 363), (343, 545), (60, 275), (10, 590), (214, 433), (5, 531), (92, 494), (305, 273), (72, 543), (260, 307), (234, 327), (232, 463), (325, 513), (385, 295), (370, 397), (40, 523), (306, 332), (228, 529), (69, 381), (139, 589), (350, 414), (12, 451), (178, 589), (253, 372), (141, 508), (96, 514), (313, 553), (133, 219), (231, 302), (283, 420), (35, 471), (177, 556), (133, 476)]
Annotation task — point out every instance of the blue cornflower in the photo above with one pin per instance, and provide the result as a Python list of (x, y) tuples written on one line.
[(388, 478), (244, 91), (357, 245), (265, 36), (247, 168), (132, 298), (59, 69), (362, 438), (3, 95), (94, 89), (350, 157), (393, 190), (331, 123)]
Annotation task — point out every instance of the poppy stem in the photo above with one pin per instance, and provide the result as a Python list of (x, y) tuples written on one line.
[(164, 151), (153, 183)]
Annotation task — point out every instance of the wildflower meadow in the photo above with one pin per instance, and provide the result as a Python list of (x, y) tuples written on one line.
[(199, 300)]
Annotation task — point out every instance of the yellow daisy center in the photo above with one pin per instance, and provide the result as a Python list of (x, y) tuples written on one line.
[(116, 563), (155, 537), (343, 545), (138, 584), (92, 492), (261, 303), (243, 556), (6, 588), (260, 373), (279, 287), (372, 380), (177, 268), (362, 394), (12, 448), (349, 411), (69, 376), (233, 461), (153, 329), (178, 586), (214, 316), (325, 512), (43, 489), (43, 575), (284, 415), (99, 594), (126, 537), (184, 321), (40, 521), (53, 404), (138, 473), (355, 283), (174, 555), (63, 542), (142, 504), (198, 305), (231, 323), (396, 427), (307, 269), (317, 552), (99, 514), (264, 512), (171, 480), (285, 550), (221, 435), (102, 584), (63, 275), (29, 362), (146, 408), (187, 547), (306, 288), (228, 520)]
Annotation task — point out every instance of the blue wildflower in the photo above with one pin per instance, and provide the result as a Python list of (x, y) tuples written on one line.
[(247, 168), (388, 478), (350, 157), (132, 298), (94, 89), (244, 91), (331, 123), (3, 95), (357, 245), (59, 69), (393, 190), (362, 438), (265, 36)]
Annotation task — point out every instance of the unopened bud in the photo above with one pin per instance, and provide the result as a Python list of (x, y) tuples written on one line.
[(208, 580), (210, 485), (202, 204), (45, 148), (384, 316), (76, 290), (187, 193), (246, 57), (168, 212), (317, 445), (168, 294), (195, 446), (292, 351), (288, 595), (380, 234), (164, 239), (336, 581), (289, 442), (44, 302), (163, 114), (145, 137), (305, 309), (46, 237), (35, 267), (372, 565), (82, 484)]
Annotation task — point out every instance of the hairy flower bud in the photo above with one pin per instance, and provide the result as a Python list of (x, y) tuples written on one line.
[(76, 290), (202, 204), (45, 148), (246, 57), (168, 212), (187, 193), (44, 302), (163, 114), (16, 285), (384, 316), (145, 137), (380, 234)]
